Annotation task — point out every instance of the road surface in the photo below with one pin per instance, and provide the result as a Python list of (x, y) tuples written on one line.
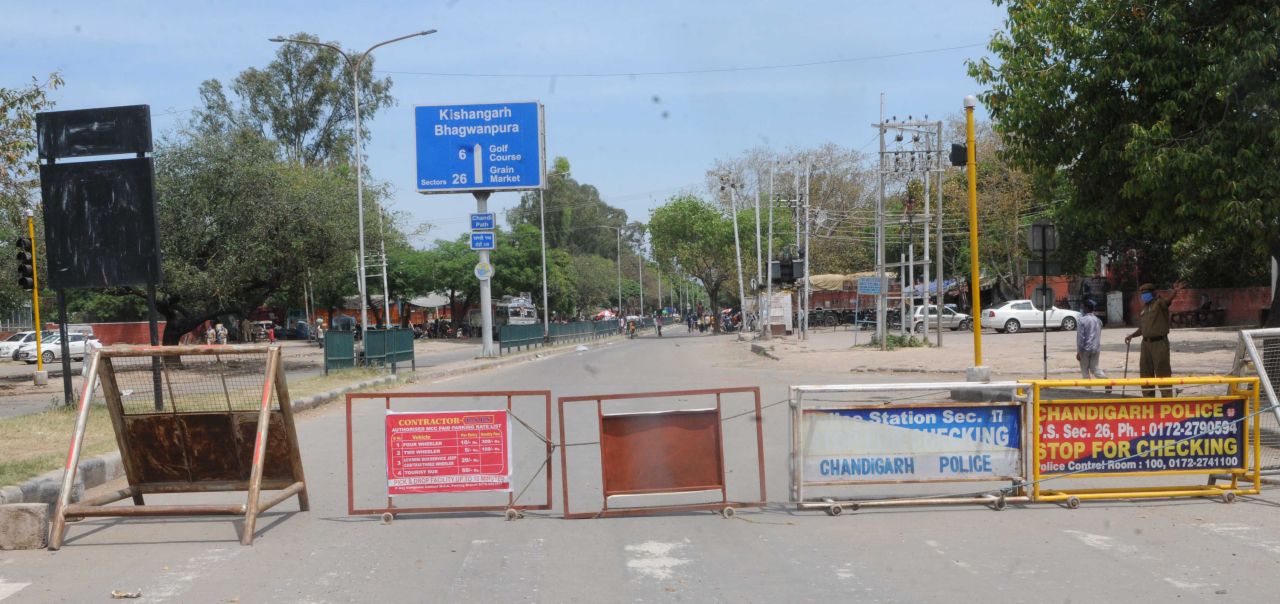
[(1194, 550)]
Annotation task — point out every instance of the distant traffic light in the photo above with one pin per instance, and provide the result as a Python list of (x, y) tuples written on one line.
[(26, 263), (786, 270), (959, 155)]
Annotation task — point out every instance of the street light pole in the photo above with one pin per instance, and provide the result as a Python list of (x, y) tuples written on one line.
[(737, 251), (640, 263), (768, 297), (542, 233), (354, 66), (619, 266)]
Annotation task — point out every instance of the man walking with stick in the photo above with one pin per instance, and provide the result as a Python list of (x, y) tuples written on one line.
[(1154, 329)]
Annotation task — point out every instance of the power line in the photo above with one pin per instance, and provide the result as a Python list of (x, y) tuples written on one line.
[(628, 74)]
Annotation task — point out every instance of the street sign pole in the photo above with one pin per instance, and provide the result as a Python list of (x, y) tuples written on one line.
[(486, 295), (480, 149)]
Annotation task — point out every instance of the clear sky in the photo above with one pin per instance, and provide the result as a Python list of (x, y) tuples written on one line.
[(638, 138)]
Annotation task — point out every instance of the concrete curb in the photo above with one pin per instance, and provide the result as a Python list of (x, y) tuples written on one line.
[(763, 351), (44, 488)]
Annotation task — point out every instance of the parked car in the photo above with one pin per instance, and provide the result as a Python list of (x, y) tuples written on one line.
[(1015, 315), (51, 348), (950, 319), (9, 347)]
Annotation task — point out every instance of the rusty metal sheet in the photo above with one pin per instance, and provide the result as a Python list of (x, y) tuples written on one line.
[(277, 464), (157, 447), (664, 452), (210, 447)]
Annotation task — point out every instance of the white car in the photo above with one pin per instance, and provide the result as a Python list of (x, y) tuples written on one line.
[(51, 348), (1015, 315), (950, 319), (9, 347)]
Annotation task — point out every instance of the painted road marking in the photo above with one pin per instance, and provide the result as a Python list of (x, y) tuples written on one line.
[(655, 559), (8, 589)]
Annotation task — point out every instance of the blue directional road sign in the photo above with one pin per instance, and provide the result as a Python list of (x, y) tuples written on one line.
[(491, 147), (482, 240), (482, 222)]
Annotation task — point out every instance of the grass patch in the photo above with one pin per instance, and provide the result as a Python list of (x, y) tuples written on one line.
[(893, 342), (36, 443), (336, 379)]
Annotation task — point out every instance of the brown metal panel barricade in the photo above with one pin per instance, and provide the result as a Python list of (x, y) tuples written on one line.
[(511, 508), (190, 419), (662, 452)]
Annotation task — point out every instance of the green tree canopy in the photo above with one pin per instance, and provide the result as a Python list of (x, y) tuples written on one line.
[(19, 176), (301, 99), (238, 224), (573, 210), (1161, 116), (692, 237)]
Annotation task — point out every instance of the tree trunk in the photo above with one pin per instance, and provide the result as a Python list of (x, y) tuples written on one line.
[(714, 293), (1273, 314)]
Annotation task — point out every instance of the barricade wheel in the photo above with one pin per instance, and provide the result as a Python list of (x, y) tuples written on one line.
[(1073, 503), (388, 517), (728, 512), (1229, 497), (835, 510), (999, 504), (512, 514)]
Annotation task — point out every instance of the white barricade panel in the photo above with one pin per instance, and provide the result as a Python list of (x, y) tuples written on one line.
[(846, 436)]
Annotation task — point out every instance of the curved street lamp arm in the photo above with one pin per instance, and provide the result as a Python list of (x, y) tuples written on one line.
[(279, 39), (392, 41)]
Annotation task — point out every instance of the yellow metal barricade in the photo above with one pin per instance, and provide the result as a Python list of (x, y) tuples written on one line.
[(1089, 429)]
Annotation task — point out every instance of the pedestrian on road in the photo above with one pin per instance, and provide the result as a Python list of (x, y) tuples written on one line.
[(271, 334), (1154, 329), (220, 334), (1089, 342), (210, 335)]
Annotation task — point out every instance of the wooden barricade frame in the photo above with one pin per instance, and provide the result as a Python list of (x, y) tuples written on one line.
[(835, 505), (275, 463), (617, 430), (1243, 389), (511, 510)]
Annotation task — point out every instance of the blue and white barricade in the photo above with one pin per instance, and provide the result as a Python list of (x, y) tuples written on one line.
[(854, 435)]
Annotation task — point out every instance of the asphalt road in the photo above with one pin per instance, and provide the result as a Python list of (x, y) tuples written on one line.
[(1196, 550)]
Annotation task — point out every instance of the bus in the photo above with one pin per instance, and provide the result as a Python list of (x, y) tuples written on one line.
[(511, 310)]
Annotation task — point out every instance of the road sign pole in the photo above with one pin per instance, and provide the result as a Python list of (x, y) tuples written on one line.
[(486, 295)]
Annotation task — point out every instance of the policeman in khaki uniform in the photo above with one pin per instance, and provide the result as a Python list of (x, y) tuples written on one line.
[(1154, 329)]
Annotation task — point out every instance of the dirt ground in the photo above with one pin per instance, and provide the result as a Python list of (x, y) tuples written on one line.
[(1008, 356)]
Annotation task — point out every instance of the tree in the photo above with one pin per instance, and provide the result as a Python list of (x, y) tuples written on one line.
[(1161, 116), (19, 176), (302, 99), (695, 238), (238, 224), (595, 282), (574, 214), (452, 266), (1009, 201)]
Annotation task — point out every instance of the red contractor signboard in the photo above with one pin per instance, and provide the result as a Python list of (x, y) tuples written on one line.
[(448, 452)]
